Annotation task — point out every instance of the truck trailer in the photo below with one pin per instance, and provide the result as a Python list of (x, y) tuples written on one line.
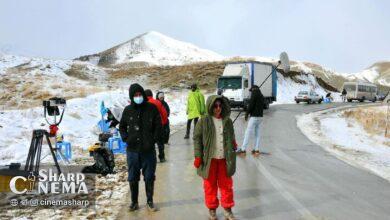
[(239, 77)]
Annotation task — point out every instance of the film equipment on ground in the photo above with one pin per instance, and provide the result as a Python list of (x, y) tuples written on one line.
[(284, 62), (55, 108), (102, 154)]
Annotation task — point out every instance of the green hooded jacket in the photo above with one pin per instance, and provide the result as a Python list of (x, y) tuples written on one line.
[(204, 138), (195, 104)]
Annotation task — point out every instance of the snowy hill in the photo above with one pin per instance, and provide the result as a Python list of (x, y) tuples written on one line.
[(153, 48), (377, 73), (26, 81)]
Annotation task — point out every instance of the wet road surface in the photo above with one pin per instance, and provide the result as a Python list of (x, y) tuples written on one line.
[(297, 180)]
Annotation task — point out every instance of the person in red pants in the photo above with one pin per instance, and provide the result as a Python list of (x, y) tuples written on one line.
[(215, 157)]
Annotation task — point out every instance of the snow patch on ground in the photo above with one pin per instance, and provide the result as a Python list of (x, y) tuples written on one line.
[(78, 125), (347, 140), (287, 89)]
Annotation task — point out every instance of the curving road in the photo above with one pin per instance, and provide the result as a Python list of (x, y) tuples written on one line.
[(298, 180)]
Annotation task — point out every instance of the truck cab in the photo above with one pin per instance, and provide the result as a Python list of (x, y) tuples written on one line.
[(238, 78), (234, 83)]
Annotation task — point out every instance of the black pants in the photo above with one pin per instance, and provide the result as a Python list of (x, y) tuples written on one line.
[(141, 161), (161, 154), (167, 131), (189, 125)]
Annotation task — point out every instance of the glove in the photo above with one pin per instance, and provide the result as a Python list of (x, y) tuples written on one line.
[(197, 162), (235, 145)]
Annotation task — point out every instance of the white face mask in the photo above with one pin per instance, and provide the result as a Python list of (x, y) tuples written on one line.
[(138, 100)]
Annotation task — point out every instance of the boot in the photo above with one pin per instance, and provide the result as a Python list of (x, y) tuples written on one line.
[(134, 196), (212, 214), (149, 188), (161, 154), (228, 214), (187, 136)]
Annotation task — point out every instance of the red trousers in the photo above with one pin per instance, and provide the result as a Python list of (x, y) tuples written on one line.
[(218, 179)]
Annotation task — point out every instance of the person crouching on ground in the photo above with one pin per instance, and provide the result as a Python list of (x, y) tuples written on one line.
[(215, 157), (140, 127)]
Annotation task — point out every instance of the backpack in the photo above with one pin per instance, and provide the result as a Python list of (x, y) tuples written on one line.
[(104, 162)]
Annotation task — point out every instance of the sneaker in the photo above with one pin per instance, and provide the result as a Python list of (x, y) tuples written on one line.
[(239, 151), (187, 136), (229, 214), (212, 214), (151, 206), (133, 206)]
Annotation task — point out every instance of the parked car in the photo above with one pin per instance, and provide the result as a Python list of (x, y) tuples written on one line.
[(309, 97), (380, 97)]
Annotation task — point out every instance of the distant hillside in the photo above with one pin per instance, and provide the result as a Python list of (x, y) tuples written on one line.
[(152, 48)]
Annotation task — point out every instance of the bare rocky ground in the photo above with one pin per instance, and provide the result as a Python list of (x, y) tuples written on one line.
[(108, 194)]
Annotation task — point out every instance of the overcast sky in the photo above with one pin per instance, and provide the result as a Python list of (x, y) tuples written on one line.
[(346, 36)]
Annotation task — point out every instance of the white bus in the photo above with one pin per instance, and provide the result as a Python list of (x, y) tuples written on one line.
[(360, 91)]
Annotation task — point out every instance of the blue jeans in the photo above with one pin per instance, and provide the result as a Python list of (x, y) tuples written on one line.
[(253, 128), (137, 162)]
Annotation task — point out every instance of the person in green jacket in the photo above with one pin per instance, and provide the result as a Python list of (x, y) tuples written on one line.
[(195, 107), (215, 157)]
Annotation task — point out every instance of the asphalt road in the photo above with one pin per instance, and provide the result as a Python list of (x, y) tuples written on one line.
[(298, 180)]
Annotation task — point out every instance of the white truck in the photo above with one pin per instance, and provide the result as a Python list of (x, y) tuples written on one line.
[(238, 78)]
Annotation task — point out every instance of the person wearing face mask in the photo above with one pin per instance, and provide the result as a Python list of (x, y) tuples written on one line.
[(140, 127), (195, 107), (215, 157)]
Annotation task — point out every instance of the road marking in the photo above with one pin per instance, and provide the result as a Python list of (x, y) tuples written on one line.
[(305, 213)]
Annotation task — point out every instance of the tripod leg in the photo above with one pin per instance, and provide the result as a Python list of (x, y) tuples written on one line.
[(52, 152), (38, 152), (30, 156)]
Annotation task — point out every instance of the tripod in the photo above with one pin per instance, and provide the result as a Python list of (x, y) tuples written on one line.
[(34, 154)]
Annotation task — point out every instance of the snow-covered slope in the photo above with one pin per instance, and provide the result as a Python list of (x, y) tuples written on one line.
[(26, 81), (154, 48), (377, 73), (34, 65)]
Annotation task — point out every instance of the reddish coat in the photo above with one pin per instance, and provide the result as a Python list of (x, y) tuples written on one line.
[(160, 108)]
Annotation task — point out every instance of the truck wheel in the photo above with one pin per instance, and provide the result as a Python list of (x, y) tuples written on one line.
[(297, 102), (349, 100), (362, 99), (374, 100)]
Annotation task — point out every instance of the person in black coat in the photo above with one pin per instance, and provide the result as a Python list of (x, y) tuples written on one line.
[(140, 127), (344, 95), (255, 111), (166, 129)]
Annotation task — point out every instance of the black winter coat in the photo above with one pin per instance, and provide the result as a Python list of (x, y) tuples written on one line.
[(164, 103), (256, 104), (166, 106), (140, 126)]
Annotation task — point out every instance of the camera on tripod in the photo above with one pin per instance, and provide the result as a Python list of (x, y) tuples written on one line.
[(51, 105)]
